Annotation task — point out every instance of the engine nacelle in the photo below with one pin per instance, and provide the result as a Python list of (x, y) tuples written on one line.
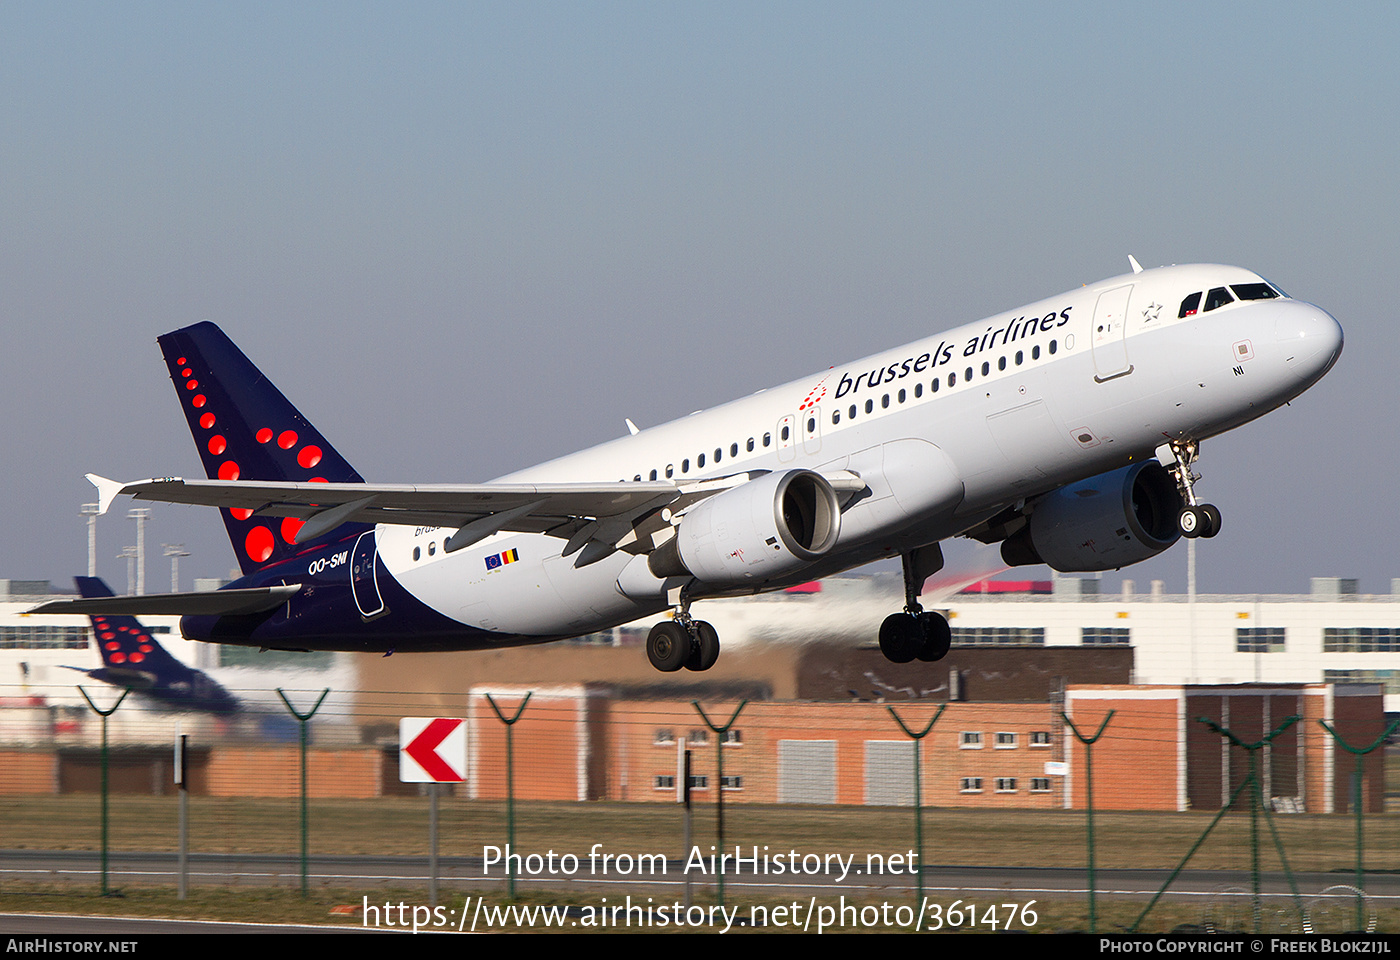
[(758, 530), (1102, 523)]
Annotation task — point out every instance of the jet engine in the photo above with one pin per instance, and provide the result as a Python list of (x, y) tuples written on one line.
[(758, 530), (1102, 523)]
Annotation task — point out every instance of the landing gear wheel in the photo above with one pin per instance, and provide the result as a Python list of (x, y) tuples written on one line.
[(668, 646), (901, 637), (705, 650), (1192, 522), (938, 637), (1212, 520)]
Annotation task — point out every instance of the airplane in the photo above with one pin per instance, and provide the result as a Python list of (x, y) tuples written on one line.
[(132, 657), (1066, 430)]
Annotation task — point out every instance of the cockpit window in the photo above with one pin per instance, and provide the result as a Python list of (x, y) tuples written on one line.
[(1190, 305), (1218, 297), (1254, 291)]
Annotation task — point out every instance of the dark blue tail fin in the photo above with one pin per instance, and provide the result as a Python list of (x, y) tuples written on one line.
[(244, 428), (131, 657)]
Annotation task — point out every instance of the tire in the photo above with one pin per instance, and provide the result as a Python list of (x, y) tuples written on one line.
[(901, 637), (938, 637), (705, 651), (668, 646), (1212, 520)]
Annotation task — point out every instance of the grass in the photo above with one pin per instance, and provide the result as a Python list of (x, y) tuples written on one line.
[(252, 905), (398, 826)]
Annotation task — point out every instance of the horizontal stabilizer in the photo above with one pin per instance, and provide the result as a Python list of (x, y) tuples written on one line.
[(214, 603)]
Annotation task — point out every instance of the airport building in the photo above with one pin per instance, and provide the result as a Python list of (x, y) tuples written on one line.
[(817, 728)]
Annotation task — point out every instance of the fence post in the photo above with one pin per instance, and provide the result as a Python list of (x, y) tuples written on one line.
[(1252, 779), (918, 790), (302, 721), (104, 714), (510, 782), (1089, 784), (719, 785), (1360, 756)]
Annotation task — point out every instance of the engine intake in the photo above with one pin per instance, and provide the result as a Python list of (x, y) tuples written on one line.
[(762, 529), (1102, 523)]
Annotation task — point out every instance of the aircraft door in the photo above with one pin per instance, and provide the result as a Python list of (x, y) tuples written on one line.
[(364, 561), (787, 449), (1110, 347)]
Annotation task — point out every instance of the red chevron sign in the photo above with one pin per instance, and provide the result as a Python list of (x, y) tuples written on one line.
[(432, 750)]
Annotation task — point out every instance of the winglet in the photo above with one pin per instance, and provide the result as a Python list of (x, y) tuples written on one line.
[(107, 491), (1132, 260)]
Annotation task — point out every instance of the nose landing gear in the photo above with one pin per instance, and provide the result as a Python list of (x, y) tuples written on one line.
[(1196, 519)]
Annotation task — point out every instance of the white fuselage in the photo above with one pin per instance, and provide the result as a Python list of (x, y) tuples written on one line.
[(945, 432)]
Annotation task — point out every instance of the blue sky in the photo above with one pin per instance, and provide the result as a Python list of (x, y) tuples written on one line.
[(466, 238)]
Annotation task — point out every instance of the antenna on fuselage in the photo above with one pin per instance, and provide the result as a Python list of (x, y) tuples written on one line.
[(631, 427), (1132, 260)]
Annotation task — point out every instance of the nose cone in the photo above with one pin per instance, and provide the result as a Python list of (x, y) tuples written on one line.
[(1310, 338)]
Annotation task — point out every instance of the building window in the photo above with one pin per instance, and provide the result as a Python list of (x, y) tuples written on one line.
[(1104, 636), (663, 783), (999, 636), (1389, 679), (1259, 639), (699, 781), (970, 741), (731, 783), (1361, 640), (1040, 784), (44, 638), (1040, 738), (1006, 784), (732, 738), (664, 737), (699, 736), (971, 785), (1006, 741)]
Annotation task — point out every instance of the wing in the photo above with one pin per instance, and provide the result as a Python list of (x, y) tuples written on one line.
[(581, 512), (247, 600)]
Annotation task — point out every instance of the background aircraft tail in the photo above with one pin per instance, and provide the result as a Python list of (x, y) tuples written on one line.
[(244, 428), (125, 645)]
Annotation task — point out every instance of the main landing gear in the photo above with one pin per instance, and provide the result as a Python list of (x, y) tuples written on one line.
[(1196, 519), (916, 633), (682, 642)]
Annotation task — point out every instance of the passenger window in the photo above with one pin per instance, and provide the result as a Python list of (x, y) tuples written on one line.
[(670, 470), (786, 432), (901, 396), (1217, 297), (1053, 345), (1001, 363), (638, 478), (733, 450), (835, 417), (885, 401), (767, 439), (967, 375), (1035, 352), (934, 386), (718, 452), (869, 406), (952, 379), (918, 390), (1020, 357), (851, 412), (417, 553), (986, 368), (1189, 306), (811, 424), (699, 461), (653, 474), (749, 447), (685, 466)]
